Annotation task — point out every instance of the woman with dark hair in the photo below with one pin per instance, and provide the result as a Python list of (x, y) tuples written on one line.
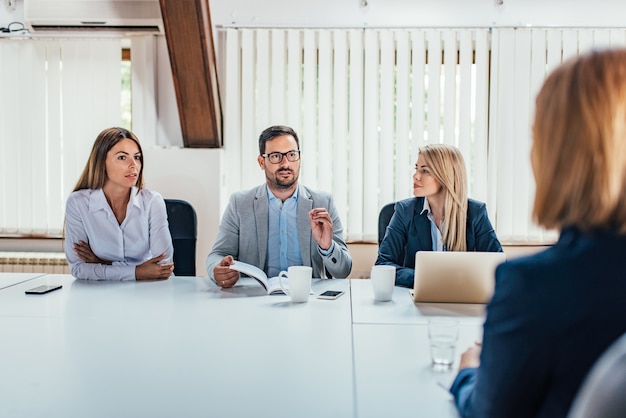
[(114, 228)]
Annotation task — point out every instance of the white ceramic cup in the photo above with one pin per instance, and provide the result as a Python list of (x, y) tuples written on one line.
[(299, 278), (443, 334), (383, 280)]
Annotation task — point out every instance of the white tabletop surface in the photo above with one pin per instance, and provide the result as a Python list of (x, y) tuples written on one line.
[(175, 348), (402, 310), (10, 279), (393, 373), (186, 348)]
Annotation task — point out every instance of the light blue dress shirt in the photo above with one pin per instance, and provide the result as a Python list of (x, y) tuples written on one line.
[(144, 233), (283, 249), (435, 233)]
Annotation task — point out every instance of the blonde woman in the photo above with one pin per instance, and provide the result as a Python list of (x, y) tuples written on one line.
[(115, 229), (554, 313), (439, 218)]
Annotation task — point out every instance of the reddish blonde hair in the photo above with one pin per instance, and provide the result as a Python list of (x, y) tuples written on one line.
[(579, 144)]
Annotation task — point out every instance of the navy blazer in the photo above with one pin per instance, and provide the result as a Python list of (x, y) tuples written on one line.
[(409, 232), (551, 316)]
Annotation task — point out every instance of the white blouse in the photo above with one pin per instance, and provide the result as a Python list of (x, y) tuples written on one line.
[(144, 233)]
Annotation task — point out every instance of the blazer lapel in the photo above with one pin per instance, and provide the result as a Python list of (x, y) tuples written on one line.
[(261, 215), (305, 204), (422, 226)]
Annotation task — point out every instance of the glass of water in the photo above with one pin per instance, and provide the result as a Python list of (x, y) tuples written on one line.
[(443, 334)]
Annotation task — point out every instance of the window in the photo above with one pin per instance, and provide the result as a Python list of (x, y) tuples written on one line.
[(58, 95), (521, 59), (362, 102), (126, 95)]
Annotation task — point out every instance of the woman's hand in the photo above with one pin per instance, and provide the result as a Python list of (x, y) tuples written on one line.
[(471, 356), (83, 251), (154, 269)]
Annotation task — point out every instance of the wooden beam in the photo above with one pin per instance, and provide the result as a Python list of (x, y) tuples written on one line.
[(189, 35)]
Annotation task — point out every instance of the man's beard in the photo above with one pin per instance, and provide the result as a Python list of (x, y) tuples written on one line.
[(280, 183)]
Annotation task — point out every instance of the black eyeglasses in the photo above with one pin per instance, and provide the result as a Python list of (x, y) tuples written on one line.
[(277, 157)]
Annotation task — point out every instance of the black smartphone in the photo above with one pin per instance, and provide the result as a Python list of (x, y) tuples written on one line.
[(330, 294), (44, 288)]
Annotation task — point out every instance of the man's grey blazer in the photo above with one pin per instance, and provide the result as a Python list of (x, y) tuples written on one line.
[(244, 230)]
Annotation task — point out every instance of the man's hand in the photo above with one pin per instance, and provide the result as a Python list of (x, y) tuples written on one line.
[(471, 356), (321, 227), (223, 274), (154, 269), (83, 251)]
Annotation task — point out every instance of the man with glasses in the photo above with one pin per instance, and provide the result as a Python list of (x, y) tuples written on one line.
[(280, 223)]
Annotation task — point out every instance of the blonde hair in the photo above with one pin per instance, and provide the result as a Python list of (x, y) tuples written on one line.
[(448, 167), (579, 144), (94, 174)]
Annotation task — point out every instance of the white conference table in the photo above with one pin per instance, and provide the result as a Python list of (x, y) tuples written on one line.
[(402, 310), (174, 348), (9, 279), (185, 348), (393, 374)]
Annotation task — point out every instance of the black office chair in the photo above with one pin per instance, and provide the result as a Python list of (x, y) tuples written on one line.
[(184, 230), (602, 393), (383, 219)]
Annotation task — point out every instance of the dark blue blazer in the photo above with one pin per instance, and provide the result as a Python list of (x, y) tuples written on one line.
[(551, 316), (409, 232)]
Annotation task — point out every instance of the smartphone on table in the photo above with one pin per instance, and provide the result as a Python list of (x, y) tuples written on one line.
[(330, 294), (44, 288)]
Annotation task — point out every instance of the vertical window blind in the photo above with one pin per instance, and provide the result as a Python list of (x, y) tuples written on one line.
[(57, 95), (362, 103), (521, 60), (362, 100)]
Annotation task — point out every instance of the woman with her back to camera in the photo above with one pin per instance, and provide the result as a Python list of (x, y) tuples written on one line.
[(554, 313), (439, 218), (114, 228)]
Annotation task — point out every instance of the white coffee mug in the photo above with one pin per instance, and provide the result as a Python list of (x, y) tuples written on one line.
[(383, 280), (299, 278)]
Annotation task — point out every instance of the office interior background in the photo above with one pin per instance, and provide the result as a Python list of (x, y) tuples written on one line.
[(363, 82)]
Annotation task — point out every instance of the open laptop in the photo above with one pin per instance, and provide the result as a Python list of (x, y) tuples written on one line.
[(455, 277)]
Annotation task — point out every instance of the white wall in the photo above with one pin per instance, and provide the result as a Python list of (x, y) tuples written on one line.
[(402, 13), (447, 13), (189, 174)]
